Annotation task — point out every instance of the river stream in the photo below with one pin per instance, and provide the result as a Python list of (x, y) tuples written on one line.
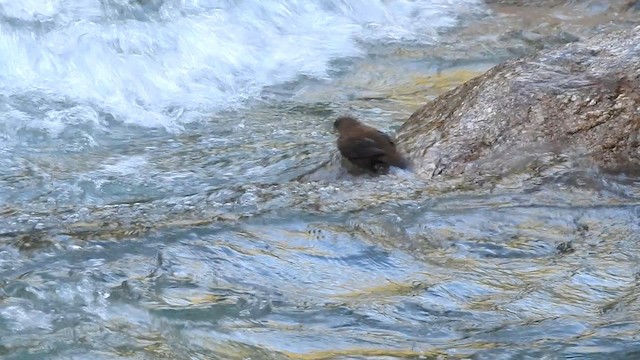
[(149, 208)]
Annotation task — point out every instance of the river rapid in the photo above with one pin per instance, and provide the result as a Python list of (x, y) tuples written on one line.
[(149, 208)]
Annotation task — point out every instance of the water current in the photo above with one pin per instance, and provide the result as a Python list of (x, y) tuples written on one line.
[(147, 208)]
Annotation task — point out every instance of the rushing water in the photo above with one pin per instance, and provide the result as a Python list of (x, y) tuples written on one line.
[(147, 149)]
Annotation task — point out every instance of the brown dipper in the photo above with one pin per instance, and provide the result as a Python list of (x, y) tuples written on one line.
[(366, 147)]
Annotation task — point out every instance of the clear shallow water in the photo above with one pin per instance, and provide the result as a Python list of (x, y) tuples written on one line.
[(146, 208)]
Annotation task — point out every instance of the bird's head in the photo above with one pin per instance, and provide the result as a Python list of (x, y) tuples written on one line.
[(344, 122)]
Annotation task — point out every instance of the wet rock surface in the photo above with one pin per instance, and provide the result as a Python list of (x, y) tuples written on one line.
[(525, 27), (623, 5), (540, 3), (576, 104)]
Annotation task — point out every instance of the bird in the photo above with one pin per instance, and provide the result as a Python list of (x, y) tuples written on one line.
[(367, 147)]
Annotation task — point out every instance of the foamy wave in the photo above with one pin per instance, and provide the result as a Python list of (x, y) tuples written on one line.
[(163, 63)]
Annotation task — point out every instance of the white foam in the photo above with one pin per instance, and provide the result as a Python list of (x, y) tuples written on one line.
[(182, 57), (130, 165), (20, 318)]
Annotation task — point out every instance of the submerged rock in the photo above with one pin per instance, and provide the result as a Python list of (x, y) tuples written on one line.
[(579, 103)]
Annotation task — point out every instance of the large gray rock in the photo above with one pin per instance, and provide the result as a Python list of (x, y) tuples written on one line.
[(576, 103), (618, 5)]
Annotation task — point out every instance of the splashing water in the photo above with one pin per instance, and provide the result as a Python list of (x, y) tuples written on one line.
[(93, 85), (165, 63)]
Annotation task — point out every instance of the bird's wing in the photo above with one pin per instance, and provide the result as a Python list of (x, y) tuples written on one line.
[(386, 136), (360, 148)]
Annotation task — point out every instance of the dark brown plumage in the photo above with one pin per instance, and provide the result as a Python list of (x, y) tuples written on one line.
[(366, 147)]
